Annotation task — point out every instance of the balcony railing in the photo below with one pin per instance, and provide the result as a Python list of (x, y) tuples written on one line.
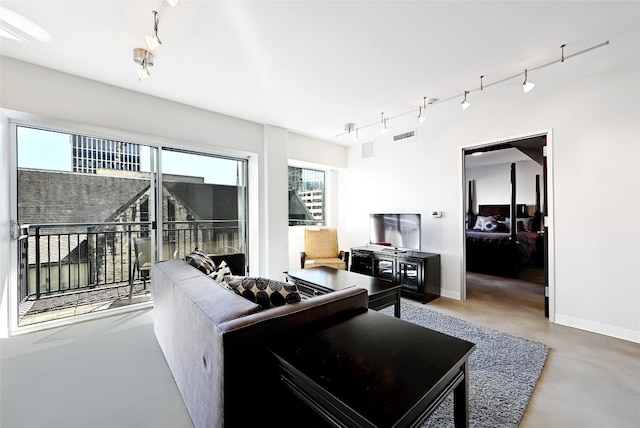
[(62, 258)]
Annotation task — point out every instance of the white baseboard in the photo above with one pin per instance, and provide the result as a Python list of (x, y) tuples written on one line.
[(596, 327), (450, 293)]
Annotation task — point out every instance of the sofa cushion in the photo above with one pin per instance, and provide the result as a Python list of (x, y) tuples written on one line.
[(266, 292), (200, 260), (333, 262)]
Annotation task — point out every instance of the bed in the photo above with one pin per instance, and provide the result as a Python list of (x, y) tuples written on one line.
[(501, 239)]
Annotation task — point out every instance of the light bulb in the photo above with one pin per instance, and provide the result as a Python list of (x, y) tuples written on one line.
[(152, 42), (528, 86)]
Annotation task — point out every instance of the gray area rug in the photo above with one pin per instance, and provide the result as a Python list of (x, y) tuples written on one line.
[(503, 369)]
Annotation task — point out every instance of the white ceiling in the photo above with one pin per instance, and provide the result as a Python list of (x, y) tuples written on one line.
[(310, 66)]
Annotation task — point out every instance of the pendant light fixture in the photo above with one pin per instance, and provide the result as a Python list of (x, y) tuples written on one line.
[(154, 41), (527, 86), (465, 104)]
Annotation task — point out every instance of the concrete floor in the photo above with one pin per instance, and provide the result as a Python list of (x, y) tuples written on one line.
[(111, 372), (589, 380)]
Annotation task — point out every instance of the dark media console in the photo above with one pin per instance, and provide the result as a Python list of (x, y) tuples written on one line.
[(417, 272)]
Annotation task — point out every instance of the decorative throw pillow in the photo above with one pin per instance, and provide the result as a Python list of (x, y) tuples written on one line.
[(490, 226), (200, 260), (480, 222), (266, 292), (222, 274)]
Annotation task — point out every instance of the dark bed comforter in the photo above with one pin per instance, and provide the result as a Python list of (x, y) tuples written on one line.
[(494, 253)]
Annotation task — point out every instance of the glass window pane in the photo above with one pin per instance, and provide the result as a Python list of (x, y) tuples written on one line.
[(306, 197), (84, 217), (204, 205)]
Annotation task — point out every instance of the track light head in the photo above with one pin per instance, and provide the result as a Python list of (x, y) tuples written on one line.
[(421, 110), (465, 104), (526, 85), (154, 41)]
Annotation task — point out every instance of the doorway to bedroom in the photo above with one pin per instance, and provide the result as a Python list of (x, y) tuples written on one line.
[(506, 212)]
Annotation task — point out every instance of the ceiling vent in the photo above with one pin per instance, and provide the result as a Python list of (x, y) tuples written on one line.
[(368, 150), (405, 135)]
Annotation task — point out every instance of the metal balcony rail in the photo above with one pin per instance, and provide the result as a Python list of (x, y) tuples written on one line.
[(62, 258)]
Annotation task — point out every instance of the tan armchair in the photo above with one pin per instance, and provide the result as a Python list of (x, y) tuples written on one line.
[(321, 249)]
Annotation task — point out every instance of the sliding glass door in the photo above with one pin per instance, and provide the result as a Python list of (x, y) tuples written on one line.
[(92, 214)]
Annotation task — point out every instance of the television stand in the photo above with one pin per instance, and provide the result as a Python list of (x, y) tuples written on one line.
[(417, 272)]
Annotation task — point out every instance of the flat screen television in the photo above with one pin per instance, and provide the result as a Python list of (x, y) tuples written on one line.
[(401, 231)]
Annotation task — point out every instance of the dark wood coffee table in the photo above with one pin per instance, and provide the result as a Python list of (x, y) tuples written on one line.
[(373, 370), (322, 280)]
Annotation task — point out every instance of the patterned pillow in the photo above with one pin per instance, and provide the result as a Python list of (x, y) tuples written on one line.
[(490, 226), (200, 260), (222, 274), (268, 293), (480, 222)]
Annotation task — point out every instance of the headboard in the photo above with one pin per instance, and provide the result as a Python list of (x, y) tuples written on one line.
[(502, 210)]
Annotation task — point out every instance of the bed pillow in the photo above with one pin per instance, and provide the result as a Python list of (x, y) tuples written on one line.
[(503, 225), (482, 220), (490, 226), (201, 261), (268, 293)]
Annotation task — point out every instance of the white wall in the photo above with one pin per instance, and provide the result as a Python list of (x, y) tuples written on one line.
[(590, 105), (493, 184)]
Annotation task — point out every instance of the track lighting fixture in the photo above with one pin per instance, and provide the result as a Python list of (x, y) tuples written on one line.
[(465, 104), (154, 41), (384, 123), (527, 86), (144, 58), (421, 116), (351, 127)]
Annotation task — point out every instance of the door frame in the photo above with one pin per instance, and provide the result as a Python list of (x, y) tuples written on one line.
[(550, 290)]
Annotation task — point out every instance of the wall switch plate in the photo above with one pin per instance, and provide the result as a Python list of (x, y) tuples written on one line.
[(437, 214)]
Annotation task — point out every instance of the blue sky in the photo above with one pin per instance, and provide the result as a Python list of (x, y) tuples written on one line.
[(49, 150)]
